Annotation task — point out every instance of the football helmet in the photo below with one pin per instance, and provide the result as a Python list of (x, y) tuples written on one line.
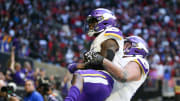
[(138, 46), (98, 20)]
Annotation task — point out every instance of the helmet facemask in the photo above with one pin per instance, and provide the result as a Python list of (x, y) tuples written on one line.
[(91, 23)]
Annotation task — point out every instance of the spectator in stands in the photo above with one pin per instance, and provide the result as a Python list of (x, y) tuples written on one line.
[(19, 76), (31, 93), (177, 72), (39, 75), (11, 66), (54, 89), (42, 73), (14, 72), (13, 99), (2, 84), (6, 94), (49, 92), (28, 71), (2, 77), (66, 84)]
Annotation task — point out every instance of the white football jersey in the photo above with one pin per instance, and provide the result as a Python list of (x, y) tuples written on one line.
[(125, 91), (109, 33)]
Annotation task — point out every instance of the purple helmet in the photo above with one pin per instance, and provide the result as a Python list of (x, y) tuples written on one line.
[(100, 19), (138, 46)]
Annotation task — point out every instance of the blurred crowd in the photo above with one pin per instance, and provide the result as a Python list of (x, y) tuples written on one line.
[(25, 83), (52, 31)]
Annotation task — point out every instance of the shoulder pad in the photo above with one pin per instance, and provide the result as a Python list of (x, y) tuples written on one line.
[(143, 65), (114, 32)]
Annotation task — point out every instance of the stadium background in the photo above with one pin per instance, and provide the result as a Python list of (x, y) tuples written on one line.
[(49, 34)]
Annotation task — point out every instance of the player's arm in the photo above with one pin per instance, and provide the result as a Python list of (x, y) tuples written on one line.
[(76, 88), (131, 72), (75, 66), (108, 49)]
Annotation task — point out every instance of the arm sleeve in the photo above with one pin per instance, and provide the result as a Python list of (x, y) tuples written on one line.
[(73, 94), (110, 54), (109, 48)]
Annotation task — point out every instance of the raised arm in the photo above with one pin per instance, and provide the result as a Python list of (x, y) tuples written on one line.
[(12, 62)]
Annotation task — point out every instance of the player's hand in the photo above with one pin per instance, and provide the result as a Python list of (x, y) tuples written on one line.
[(93, 58), (72, 67)]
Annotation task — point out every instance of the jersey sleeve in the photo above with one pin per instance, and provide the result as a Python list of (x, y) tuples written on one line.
[(73, 94), (110, 33), (143, 65), (114, 33)]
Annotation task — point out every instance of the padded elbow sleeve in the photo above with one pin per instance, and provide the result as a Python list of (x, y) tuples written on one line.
[(110, 54)]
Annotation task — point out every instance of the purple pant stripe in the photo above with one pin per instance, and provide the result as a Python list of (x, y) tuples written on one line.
[(94, 76), (91, 71)]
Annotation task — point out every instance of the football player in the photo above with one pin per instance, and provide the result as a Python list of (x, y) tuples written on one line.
[(129, 72), (97, 83)]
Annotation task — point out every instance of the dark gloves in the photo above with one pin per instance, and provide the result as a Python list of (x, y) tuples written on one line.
[(93, 58)]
